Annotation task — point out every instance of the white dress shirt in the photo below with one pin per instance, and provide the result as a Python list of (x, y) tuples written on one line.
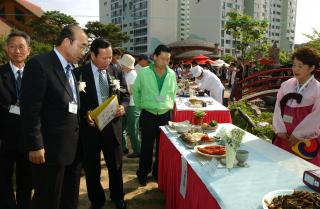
[(213, 84), (95, 72)]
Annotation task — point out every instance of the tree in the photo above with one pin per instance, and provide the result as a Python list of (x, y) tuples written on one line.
[(285, 58), (314, 40), (110, 32), (245, 30), (47, 28), (228, 58)]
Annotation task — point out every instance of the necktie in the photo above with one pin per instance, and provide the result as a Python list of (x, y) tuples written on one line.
[(71, 82), (18, 83), (104, 86)]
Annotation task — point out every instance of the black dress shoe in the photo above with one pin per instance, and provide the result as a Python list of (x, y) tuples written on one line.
[(125, 151), (142, 180), (96, 207), (133, 155), (120, 204)]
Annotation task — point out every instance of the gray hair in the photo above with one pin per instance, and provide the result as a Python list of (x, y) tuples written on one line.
[(18, 33)]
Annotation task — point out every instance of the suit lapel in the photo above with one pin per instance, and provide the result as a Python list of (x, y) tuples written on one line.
[(9, 80), (110, 84), (60, 72)]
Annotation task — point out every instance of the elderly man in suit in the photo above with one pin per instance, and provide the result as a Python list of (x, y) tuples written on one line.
[(99, 87), (50, 116), (11, 146)]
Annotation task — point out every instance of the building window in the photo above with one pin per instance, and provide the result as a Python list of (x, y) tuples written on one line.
[(222, 33), (228, 41)]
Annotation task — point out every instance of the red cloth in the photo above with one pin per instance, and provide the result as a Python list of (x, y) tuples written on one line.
[(221, 116), (169, 175)]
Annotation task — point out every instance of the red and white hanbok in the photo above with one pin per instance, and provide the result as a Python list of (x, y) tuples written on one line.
[(300, 119)]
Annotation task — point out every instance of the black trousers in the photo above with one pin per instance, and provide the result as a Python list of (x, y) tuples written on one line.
[(150, 132), (23, 181), (57, 186), (93, 144)]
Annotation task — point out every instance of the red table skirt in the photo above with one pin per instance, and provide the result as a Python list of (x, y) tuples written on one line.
[(221, 116), (197, 195)]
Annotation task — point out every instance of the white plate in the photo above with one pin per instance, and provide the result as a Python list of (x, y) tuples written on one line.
[(268, 197), (207, 155)]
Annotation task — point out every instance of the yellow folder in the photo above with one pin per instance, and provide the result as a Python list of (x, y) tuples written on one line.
[(103, 114)]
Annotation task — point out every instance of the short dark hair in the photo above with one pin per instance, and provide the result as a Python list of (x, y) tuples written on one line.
[(194, 63), (161, 48), (307, 56), (116, 51), (18, 33), (99, 43), (67, 32)]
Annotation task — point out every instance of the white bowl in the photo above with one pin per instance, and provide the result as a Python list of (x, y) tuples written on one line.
[(182, 128)]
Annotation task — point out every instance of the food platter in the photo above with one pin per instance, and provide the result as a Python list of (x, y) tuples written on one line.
[(269, 196), (285, 199), (218, 147)]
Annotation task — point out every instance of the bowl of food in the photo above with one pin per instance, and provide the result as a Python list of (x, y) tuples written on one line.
[(182, 127)]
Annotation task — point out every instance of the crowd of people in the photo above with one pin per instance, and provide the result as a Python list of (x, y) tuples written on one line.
[(47, 131), (48, 135)]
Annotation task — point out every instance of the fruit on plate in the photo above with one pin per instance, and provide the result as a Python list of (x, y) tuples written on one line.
[(212, 125)]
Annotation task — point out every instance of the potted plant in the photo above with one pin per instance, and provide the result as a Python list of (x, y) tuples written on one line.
[(198, 117)]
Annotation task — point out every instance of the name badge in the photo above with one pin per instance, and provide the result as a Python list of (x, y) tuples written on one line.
[(14, 109), (287, 118), (159, 98), (73, 108)]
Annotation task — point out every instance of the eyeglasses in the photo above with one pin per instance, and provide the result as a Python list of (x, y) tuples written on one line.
[(15, 47), (84, 49)]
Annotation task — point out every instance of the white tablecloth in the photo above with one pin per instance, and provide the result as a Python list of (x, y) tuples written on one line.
[(270, 168)]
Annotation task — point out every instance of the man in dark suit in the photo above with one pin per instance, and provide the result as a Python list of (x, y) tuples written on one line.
[(50, 116), (99, 87), (11, 145)]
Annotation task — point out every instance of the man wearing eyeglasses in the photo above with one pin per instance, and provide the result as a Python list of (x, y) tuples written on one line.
[(11, 138), (50, 116)]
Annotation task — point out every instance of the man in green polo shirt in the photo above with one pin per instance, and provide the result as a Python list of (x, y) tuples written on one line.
[(154, 92)]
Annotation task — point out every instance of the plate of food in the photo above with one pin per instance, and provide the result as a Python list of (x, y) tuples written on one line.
[(211, 150), (211, 126), (285, 199), (194, 102), (191, 139), (206, 138)]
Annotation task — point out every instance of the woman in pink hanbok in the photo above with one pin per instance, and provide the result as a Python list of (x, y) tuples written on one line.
[(296, 119)]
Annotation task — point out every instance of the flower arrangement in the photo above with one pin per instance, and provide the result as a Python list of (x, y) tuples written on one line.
[(115, 83), (232, 138), (233, 141), (81, 85)]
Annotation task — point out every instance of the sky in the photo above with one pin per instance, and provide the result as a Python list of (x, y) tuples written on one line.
[(308, 14)]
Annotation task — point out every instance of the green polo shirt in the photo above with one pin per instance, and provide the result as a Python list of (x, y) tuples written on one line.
[(160, 80), (155, 95)]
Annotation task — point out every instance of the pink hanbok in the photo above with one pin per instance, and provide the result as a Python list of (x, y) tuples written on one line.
[(300, 118)]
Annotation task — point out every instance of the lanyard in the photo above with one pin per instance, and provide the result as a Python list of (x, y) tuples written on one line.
[(300, 89)]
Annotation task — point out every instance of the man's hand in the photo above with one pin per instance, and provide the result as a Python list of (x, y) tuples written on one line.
[(37, 157), (293, 140), (90, 120), (284, 136), (120, 111)]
